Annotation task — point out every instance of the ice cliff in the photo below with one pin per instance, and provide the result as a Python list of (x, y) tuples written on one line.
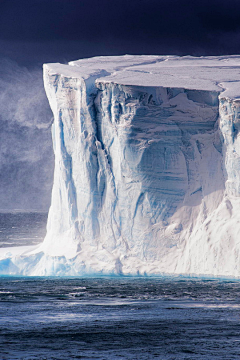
[(147, 168)]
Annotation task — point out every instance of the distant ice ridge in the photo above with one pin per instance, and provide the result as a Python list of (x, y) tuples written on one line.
[(147, 169)]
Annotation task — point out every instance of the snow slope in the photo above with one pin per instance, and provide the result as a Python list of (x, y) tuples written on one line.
[(147, 168)]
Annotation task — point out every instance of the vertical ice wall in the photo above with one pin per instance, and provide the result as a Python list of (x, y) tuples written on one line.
[(75, 192), (138, 172), (229, 127), (147, 164), (213, 247)]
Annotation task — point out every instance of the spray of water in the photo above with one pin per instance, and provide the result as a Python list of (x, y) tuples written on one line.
[(26, 156)]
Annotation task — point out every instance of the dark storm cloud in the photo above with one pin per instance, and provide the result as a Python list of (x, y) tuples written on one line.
[(92, 27)]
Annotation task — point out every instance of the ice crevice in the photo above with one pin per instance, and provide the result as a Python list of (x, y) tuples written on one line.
[(147, 169)]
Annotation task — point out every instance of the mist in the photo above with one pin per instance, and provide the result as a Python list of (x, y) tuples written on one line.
[(26, 155)]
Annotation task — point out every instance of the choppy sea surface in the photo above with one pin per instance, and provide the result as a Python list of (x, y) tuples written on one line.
[(117, 317), (22, 228)]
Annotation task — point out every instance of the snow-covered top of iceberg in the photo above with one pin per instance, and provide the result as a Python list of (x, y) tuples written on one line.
[(212, 73)]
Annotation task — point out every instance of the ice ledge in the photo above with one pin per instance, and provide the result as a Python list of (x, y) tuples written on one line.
[(214, 73)]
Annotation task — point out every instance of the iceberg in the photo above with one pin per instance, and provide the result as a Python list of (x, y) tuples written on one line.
[(147, 169)]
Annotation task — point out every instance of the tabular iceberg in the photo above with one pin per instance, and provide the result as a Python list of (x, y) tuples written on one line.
[(147, 168)]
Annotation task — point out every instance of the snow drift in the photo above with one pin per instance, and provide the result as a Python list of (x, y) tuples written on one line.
[(147, 169)]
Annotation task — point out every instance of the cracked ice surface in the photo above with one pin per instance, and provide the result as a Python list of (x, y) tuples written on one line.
[(147, 169)]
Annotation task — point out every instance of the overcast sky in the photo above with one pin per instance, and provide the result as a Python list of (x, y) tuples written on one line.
[(37, 31)]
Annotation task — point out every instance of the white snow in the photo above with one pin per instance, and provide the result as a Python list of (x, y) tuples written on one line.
[(147, 169)]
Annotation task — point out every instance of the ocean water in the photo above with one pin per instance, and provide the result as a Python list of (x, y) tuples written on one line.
[(116, 317), (22, 228)]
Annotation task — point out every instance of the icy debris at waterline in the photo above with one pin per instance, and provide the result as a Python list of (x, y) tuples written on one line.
[(147, 168)]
